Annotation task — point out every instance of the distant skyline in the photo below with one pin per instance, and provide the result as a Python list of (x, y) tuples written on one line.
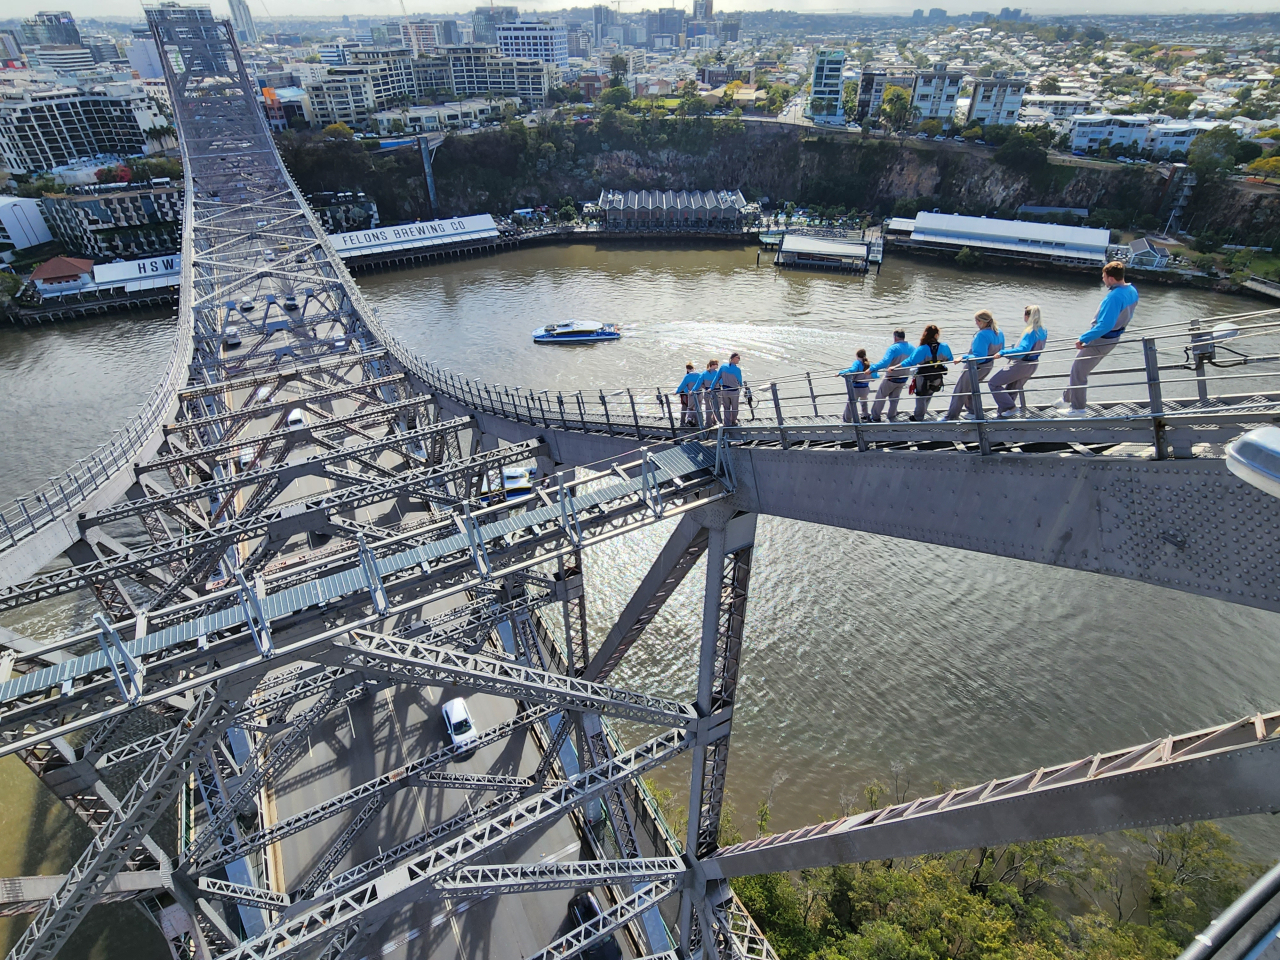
[(125, 9)]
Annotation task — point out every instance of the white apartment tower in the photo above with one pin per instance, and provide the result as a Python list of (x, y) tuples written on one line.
[(242, 20), (996, 100), (936, 91), (826, 96), (534, 41)]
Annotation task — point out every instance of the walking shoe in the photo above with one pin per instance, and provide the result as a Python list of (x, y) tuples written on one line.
[(1007, 414), (912, 418), (1062, 406), (1069, 411)]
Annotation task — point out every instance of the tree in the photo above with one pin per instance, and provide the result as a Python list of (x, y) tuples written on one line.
[(932, 127), (618, 67), (1023, 152), (897, 109), (1267, 167), (337, 131), (1049, 86), (967, 259), (1213, 153), (615, 97)]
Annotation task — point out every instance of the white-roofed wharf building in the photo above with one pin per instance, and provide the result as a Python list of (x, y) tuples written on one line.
[(1008, 239), (700, 210)]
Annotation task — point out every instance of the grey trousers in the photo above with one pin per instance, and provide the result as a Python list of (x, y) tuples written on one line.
[(688, 411), (961, 396), (922, 402), (1008, 382), (1088, 357), (860, 394), (888, 390), (729, 405), (711, 409)]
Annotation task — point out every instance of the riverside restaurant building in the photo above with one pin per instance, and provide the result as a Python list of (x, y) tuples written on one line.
[(673, 209), (1017, 240)]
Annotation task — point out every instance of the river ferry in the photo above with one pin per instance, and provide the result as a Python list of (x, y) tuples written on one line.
[(576, 331)]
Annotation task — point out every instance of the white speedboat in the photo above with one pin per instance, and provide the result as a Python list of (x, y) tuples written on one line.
[(576, 331)]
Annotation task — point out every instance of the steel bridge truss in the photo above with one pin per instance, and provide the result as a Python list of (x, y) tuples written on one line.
[(312, 532)]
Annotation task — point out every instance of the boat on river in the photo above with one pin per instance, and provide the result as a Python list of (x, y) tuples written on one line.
[(576, 331)]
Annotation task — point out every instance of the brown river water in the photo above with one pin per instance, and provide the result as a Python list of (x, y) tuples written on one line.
[(863, 655)]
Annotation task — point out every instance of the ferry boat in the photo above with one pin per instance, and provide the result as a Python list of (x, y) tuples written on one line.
[(576, 331)]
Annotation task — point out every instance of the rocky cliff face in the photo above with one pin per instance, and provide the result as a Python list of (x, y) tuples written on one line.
[(1240, 213), (783, 163)]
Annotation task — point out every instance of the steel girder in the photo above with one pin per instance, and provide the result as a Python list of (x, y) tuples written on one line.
[(380, 898), (140, 809), (528, 877), (1227, 770), (619, 915), (415, 772)]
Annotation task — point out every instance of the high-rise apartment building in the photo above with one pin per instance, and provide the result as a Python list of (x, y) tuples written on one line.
[(46, 127), (935, 92), (485, 20), (420, 36), (480, 68), (65, 60), (996, 100), (242, 22), (143, 55), (117, 220), (534, 41), (671, 21), (55, 28), (703, 9), (826, 95)]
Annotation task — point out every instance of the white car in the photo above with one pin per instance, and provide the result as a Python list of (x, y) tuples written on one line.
[(246, 305), (231, 337), (457, 720), (291, 302), (297, 418)]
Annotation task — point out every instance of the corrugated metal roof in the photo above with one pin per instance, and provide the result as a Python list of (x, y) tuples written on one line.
[(824, 247), (953, 227)]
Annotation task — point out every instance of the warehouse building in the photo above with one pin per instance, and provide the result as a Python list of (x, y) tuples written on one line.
[(1008, 239), (672, 209)]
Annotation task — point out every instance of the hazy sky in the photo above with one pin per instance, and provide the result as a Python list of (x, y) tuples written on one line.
[(264, 10)]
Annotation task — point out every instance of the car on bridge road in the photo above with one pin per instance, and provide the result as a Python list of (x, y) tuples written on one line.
[(457, 721), (584, 908), (231, 337)]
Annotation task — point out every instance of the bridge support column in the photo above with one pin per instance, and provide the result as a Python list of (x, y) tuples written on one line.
[(729, 551)]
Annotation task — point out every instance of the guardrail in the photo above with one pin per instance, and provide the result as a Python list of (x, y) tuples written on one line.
[(59, 496)]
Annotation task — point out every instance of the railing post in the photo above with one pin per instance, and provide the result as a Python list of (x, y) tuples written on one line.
[(560, 400), (975, 401), (813, 397), (1151, 361), (8, 529), (777, 409), (857, 414), (22, 508), (604, 402), (543, 410), (671, 420), (635, 417), (582, 411)]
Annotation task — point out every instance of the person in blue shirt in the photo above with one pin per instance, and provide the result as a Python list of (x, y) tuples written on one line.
[(1024, 358), (729, 386), (930, 360), (895, 377), (688, 411), (1114, 314), (860, 373), (987, 342), (707, 388)]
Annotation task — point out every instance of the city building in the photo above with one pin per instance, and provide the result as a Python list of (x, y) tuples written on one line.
[(143, 56), (935, 91), (391, 70), (1143, 253), (1059, 106), (62, 275), (826, 96), (102, 48), (703, 9), (485, 20), (21, 224), (667, 209), (431, 76), (242, 22), (105, 221), (344, 96), (996, 100), (65, 60), (10, 47), (42, 127), (283, 104), (335, 54), (421, 36), (1006, 239), (51, 28), (534, 41), (874, 83), (428, 119), (478, 68)]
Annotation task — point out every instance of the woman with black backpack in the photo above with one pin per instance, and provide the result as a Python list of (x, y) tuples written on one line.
[(930, 360)]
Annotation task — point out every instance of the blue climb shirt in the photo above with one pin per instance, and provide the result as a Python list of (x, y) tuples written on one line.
[(1029, 347), (1114, 314)]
